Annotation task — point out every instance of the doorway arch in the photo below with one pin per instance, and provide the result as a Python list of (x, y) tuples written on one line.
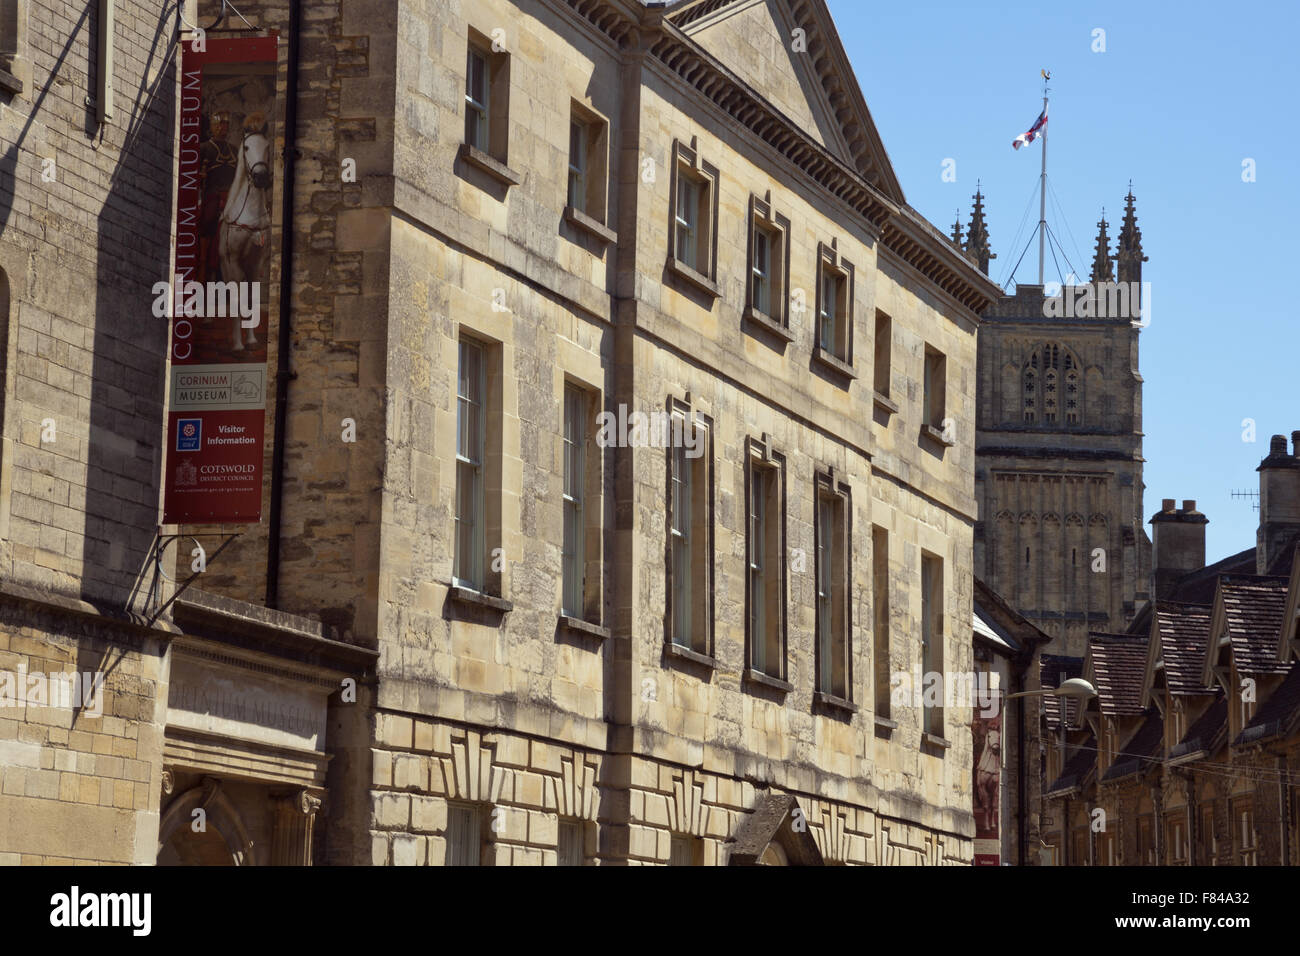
[(223, 840)]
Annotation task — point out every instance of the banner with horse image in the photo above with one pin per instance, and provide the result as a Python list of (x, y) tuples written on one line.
[(986, 732), (217, 296)]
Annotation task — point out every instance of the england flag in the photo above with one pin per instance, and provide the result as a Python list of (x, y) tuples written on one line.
[(1024, 139)]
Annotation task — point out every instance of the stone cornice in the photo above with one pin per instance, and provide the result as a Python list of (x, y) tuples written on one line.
[(932, 254), (618, 20), (697, 68), (657, 30), (241, 628)]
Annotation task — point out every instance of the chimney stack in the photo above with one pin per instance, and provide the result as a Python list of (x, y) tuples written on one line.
[(1279, 500), (1177, 545)]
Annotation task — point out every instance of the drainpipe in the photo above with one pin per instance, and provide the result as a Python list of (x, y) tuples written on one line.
[(1283, 812), (1021, 790), (282, 373)]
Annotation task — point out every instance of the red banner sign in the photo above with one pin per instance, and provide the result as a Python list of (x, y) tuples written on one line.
[(987, 733), (217, 296)]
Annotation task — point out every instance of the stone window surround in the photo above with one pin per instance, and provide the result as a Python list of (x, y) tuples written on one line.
[(15, 67), (935, 393), (686, 160), (593, 219), (692, 411), (493, 161), (883, 364), (760, 454), (830, 260), (763, 216)]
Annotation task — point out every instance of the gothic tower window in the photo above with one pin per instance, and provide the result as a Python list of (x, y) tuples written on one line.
[(1031, 391), (1051, 382), (1071, 390)]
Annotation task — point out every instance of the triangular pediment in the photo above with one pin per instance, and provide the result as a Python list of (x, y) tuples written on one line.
[(789, 53), (775, 833)]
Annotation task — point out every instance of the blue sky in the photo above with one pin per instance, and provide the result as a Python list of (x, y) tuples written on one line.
[(1183, 93)]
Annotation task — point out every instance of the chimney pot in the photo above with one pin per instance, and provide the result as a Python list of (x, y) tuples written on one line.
[(1166, 504), (1295, 443), (1189, 504), (1277, 446)]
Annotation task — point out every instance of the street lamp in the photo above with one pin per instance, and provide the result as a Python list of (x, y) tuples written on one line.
[(1076, 688)]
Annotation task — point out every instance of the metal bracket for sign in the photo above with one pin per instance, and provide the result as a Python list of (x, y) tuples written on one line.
[(225, 5), (164, 541)]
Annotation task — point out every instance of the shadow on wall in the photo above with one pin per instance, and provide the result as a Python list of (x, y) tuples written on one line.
[(127, 418), (124, 405)]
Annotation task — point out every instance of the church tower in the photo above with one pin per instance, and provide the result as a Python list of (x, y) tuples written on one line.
[(1058, 447)]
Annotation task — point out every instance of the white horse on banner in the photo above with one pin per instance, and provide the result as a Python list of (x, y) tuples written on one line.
[(246, 219)]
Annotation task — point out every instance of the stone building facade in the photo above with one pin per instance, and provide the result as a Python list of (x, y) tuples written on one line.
[(505, 628), (1059, 444), (602, 727)]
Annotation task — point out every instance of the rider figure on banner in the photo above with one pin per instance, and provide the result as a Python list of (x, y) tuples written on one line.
[(217, 159)]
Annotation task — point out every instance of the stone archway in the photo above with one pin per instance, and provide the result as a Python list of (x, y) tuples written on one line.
[(223, 839)]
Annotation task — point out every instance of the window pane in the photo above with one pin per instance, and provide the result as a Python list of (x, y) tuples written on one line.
[(569, 849), (574, 519), (476, 100), (469, 562), (762, 272), (927, 622), (825, 549), (680, 518), (828, 313), (687, 219), (757, 584), (577, 140), (682, 592), (464, 836), (468, 559), (577, 166), (476, 76), (682, 851)]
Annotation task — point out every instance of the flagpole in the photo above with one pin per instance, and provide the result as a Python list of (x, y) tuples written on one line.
[(1042, 191)]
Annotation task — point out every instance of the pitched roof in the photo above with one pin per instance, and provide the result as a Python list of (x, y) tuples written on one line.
[(832, 98), (1142, 749), (1184, 630), (1118, 664), (1205, 733), (1277, 713), (1075, 772), (772, 821), (1197, 587), (1252, 614), (1005, 621), (1054, 670)]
